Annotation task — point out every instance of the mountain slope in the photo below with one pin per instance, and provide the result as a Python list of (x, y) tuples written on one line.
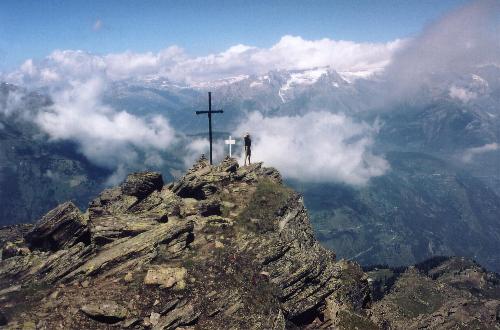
[(440, 293), (436, 123), (224, 247), (421, 208), (37, 174)]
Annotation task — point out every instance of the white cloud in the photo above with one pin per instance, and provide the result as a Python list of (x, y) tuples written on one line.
[(77, 80), (453, 46), (290, 52), (105, 136), (462, 94), (199, 146), (319, 146), (12, 104), (470, 153)]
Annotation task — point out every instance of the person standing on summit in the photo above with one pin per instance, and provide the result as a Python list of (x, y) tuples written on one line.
[(248, 150)]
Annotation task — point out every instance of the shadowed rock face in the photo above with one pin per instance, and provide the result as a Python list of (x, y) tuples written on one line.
[(223, 247), (141, 185), (61, 228)]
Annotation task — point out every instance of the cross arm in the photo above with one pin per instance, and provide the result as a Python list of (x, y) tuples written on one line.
[(213, 111)]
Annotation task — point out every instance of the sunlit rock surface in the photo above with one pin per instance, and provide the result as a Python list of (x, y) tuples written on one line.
[(223, 247)]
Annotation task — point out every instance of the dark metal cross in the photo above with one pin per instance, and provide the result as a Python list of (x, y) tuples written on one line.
[(209, 112)]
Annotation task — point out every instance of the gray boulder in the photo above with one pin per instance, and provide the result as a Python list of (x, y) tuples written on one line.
[(142, 184), (61, 228), (106, 311)]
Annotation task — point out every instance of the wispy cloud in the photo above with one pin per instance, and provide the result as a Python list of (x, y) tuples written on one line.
[(470, 153), (195, 148), (97, 25), (337, 148), (106, 136), (291, 52), (318, 146), (455, 45)]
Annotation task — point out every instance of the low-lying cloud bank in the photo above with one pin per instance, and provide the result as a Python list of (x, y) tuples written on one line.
[(110, 138), (317, 147), (291, 52), (77, 80), (105, 136)]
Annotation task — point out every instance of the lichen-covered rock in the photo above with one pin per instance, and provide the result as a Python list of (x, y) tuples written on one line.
[(106, 229), (132, 251), (229, 165), (105, 311), (223, 247), (180, 316), (111, 201), (61, 228), (166, 276), (203, 180), (115, 215), (142, 184), (56, 266)]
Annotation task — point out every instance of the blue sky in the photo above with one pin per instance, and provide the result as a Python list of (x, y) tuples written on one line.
[(33, 29)]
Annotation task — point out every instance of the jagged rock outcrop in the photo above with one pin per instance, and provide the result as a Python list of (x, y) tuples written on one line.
[(223, 247), (61, 228), (141, 185)]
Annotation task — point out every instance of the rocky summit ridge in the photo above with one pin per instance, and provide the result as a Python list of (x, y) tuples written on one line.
[(223, 247)]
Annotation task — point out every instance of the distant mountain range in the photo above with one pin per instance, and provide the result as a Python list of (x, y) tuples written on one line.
[(442, 142)]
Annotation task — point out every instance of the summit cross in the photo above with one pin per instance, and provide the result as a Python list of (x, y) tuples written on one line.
[(230, 142), (209, 112)]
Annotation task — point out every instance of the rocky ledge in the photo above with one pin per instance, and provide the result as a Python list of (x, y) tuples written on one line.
[(223, 247)]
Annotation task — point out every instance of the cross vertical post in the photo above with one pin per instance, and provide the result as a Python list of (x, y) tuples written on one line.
[(209, 113), (210, 123)]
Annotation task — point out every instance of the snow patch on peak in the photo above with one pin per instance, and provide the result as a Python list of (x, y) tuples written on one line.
[(479, 80), (301, 78), (352, 76), (219, 82), (256, 83), (462, 94), (260, 81), (306, 77)]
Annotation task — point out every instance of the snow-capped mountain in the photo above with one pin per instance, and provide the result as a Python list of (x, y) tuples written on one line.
[(443, 108), (444, 115), (274, 87)]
